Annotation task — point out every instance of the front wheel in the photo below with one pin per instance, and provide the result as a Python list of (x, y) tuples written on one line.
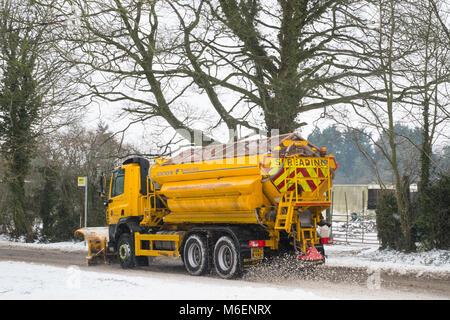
[(227, 258), (125, 251)]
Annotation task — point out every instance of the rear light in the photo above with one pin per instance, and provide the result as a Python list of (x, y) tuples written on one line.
[(326, 240), (257, 243)]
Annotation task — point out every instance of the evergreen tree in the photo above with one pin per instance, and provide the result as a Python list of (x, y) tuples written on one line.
[(433, 220), (19, 105), (345, 146), (35, 88)]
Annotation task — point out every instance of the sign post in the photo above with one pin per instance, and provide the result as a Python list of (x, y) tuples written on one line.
[(82, 182)]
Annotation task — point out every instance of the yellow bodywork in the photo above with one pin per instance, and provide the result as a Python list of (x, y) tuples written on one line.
[(223, 191), (266, 188), (130, 202), (220, 200), (151, 239)]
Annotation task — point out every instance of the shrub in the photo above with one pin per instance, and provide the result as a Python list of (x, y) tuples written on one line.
[(433, 220), (388, 222)]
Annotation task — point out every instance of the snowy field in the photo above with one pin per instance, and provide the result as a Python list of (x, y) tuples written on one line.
[(20, 280)]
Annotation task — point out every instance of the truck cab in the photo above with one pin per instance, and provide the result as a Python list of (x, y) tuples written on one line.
[(128, 190)]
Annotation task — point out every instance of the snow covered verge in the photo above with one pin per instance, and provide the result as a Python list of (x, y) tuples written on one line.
[(369, 256), (69, 246)]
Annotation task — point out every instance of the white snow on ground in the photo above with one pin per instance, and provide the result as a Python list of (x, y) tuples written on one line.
[(20, 280)]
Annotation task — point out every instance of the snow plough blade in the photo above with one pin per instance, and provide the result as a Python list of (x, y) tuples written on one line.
[(97, 240), (312, 256)]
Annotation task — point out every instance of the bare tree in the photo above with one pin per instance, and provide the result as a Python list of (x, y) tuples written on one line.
[(434, 74), (248, 64), (291, 55), (408, 47), (116, 47), (61, 158), (441, 12)]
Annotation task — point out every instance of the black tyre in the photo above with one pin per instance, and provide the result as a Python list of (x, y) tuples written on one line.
[(195, 255), (227, 258), (125, 251)]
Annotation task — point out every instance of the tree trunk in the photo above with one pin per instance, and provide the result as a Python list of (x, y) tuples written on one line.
[(406, 215), (281, 117), (401, 183), (21, 223)]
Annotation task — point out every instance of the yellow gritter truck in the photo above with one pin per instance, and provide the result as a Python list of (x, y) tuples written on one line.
[(224, 207)]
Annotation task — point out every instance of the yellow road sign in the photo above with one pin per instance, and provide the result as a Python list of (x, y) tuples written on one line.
[(81, 181)]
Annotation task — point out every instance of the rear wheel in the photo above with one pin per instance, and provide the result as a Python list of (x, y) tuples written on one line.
[(195, 255), (226, 258)]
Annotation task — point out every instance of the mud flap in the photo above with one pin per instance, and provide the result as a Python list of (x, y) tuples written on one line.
[(97, 240), (312, 256)]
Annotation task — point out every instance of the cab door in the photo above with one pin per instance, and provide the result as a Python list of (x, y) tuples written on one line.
[(117, 204)]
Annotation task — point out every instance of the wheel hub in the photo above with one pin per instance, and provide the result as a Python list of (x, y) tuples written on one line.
[(124, 251), (225, 258), (195, 255)]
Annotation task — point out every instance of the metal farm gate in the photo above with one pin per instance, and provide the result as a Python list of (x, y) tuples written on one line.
[(354, 229), (349, 226)]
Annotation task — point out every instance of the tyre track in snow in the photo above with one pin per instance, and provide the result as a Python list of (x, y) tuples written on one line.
[(279, 272)]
